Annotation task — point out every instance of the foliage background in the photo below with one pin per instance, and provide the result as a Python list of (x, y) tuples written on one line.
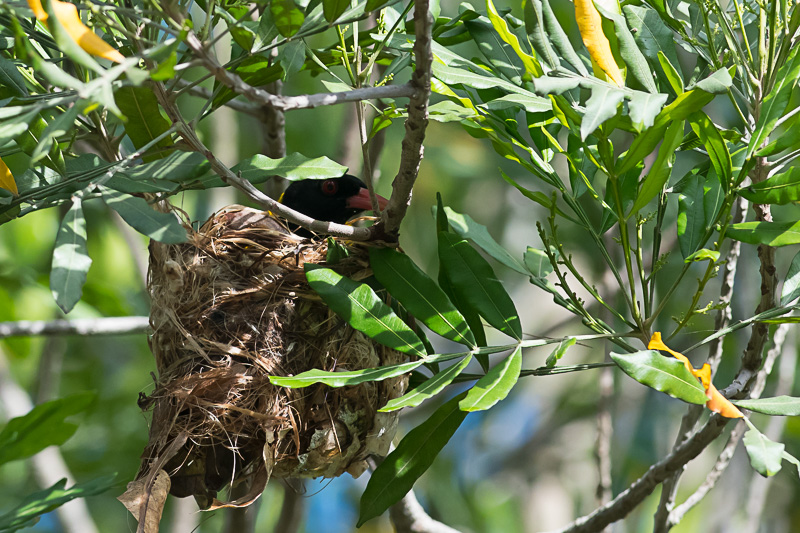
[(526, 465)]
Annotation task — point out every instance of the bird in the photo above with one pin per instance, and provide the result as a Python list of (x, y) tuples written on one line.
[(332, 200)]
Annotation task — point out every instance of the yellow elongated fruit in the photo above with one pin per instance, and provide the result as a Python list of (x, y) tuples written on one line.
[(7, 179), (590, 24), (67, 15)]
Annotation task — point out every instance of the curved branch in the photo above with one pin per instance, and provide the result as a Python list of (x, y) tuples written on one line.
[(118, 325)]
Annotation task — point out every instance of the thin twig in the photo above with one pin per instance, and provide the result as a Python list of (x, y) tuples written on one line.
[(120, 325)]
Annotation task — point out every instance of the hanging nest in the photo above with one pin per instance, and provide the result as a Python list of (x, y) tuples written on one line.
[(230, 308)]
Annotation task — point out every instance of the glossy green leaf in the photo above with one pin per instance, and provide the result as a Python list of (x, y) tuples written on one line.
[(467, 228), (44, 501), (671, 73), (660, 171), (428, 389), (496, 51), (601, 106), (419, 294), (775, 102), (789, 138), (791, 285), (770, 233), (358, 304), (71, 259), (144, 120), (43, 426), (344, 378), (333, 9), (162, 227), (287, 17), (559, 352), (775, 406), (765, 455), (634, 60), (474, 280), (397, 473), (532, 66), (495, 385), (663, 374), (703, 255), (715, 146), (783, 188)]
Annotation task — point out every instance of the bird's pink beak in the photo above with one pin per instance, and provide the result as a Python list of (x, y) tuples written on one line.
[(362, 201)]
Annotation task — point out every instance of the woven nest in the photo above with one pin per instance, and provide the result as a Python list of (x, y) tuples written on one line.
[(229, 309)]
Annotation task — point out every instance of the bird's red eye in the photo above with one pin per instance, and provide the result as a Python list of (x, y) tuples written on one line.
[(329, 187)]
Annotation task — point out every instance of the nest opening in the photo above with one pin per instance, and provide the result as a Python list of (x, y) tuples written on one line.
[(230, 308)]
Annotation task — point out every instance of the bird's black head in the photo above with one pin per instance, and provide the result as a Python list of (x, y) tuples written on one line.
[(333, 200)]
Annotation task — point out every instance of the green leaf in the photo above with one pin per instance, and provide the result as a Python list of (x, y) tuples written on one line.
[(495, 385), (663, 374), (360, 307), (397, 473), (474, 281), (559, 38), (341, 379), (703, 255), (71, 260), (287, 17), (644, 107), (537, 32), (791, 285), (15, 120), (44, 501), (634, 59), (652, 35), (537, 263), (775, 103), (783, 188), (715, 146), (788, 138), (12, 83), (496, 51), (177, 167), (691, 222), (792, 459), (258, 168), (43, 426), (532, 66), (419, 294), (291, 56), (775, 406), (144, 119), (162, 227), (559, 352), (769, 233), (428, 389), (467, 228), (60, 126), (765, 455), (661, 170), (672, 74), (334, 8), (601, 106)]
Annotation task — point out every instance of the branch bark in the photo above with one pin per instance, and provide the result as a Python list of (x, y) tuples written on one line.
[(122, 325)]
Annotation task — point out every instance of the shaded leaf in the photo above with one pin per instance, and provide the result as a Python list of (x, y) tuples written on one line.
[(775, 102), (770, 233), (661, 170), (162, 227), (71, 260), (663, 374), (467, 228), (537, 263), (144, 119), (419, 294), (715, 146), (287, 17), (775, 406), (765, 455), (532, 66), (791, 285), (397, 474), (783, 188), (495, 385), (332, 9), (633, 58), (360, 307)]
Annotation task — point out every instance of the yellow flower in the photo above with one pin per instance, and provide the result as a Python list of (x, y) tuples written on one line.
[(716, 401), (67, 15)]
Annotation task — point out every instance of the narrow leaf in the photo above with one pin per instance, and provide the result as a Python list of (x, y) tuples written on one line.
[(590, 26), (769, 233), (474, 280), (428, 389), (715, 146), (162, 227), (560, 39), (661, 170), (775, 406), (360, 307), (467, 228), (663, 374), (71, 260), (783, 188), (495, 385), (144, 119), (776, 101), (791, 285), (532, 66), (419, 294), (344, 378), (397, 473), (634, 60)]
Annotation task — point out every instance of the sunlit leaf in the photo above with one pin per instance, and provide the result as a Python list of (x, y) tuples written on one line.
[(661, 169), (765, 455), (467, 228), (495, 385), (783, 188), (775, 406), (634, 61), (428, 388), (532, 66), (775, 102), (663, 374), (769, 233), (601, 106), (360, 307), (715, 146)]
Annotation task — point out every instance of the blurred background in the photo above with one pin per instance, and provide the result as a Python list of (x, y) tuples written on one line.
[(529, 464)]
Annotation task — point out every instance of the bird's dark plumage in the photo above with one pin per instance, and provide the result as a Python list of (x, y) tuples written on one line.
[(333, 200)]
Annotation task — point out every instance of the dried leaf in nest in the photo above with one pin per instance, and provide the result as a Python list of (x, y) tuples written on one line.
[(230, 308)]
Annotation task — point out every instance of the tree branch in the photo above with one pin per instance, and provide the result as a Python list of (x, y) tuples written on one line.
[(408, 516), (118, 325), (416, 123)]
